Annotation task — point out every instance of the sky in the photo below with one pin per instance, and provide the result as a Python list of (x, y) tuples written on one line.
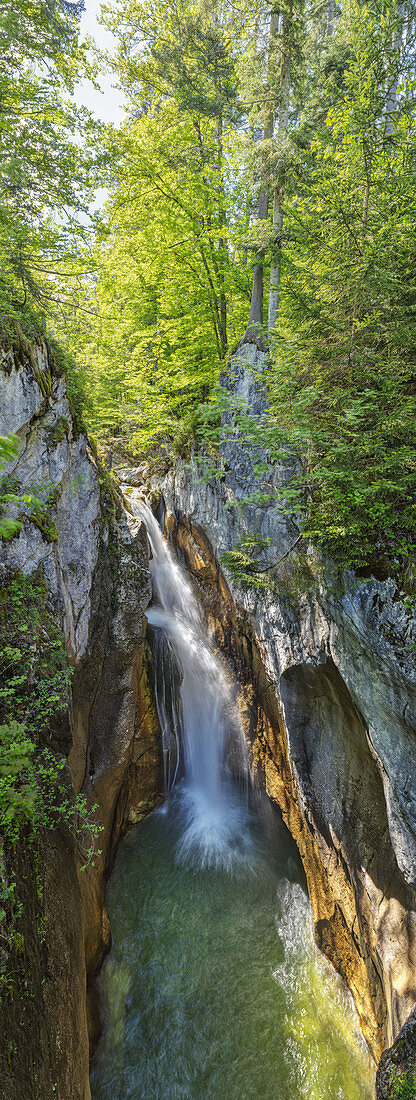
[(107, 105)]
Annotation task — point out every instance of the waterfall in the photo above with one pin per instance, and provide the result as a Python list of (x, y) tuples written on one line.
[(201, 727), (213, 986)]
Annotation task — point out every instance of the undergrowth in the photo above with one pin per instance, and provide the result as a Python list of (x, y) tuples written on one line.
[(403, 1085), (35, 790), (288, 578)]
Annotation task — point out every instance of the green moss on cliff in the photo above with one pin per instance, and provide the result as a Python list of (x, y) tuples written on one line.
[(403, 1085), (35, 789)]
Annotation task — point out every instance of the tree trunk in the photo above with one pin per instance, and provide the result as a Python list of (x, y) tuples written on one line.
[(274, 292), (361, 242), (278, 195), (223, 257), (391, 104), (330, 18), (255, 321)]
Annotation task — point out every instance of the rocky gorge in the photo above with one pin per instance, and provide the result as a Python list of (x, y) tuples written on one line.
[(327, 699), (96, 571), (332, 680)]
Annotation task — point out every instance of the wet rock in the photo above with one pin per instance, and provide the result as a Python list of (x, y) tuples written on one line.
[(44, 1040), (396, 1073), (97, 573), (336, 747), (133, 475)]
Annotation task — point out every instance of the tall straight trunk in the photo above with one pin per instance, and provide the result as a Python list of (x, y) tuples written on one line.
[(363, 230), (330, 11), (223, 250), (391, 105), (255, 321), (218, 250), (278, 194)]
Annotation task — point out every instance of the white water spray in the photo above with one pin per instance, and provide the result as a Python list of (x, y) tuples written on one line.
[(200, 730)]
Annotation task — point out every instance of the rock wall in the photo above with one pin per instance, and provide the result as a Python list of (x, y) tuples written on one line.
[(328, 699), (336, 745), (94, 558), (396, 1073)]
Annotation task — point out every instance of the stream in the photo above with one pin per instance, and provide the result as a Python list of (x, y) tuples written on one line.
[(213, 987)]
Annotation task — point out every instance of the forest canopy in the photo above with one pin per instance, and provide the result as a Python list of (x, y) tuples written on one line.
[(261, 187)]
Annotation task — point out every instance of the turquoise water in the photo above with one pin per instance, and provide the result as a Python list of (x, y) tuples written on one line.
[(213, 989)]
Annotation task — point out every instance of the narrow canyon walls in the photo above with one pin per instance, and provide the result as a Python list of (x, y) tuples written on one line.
[(96, 571), (336, 745), (327, 697)]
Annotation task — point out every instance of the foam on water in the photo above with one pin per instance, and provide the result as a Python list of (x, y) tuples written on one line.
[(215, 832), (213, 989)]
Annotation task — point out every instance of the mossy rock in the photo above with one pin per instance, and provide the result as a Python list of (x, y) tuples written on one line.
[(45, 525), (403, 1084), (58, 432), (396, 1074)]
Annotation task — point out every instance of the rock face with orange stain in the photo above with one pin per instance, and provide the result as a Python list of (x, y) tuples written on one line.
[(329, 697)]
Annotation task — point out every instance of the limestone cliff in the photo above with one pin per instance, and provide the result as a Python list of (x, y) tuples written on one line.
[(328, 699), (96, 569), (329, 684)]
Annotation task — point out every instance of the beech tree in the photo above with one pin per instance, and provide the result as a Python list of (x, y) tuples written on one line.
[(46, 174), (169, 272), (265, 145), (184, 55)]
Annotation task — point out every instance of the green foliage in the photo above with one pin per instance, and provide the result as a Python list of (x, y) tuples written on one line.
[(40, 512), (185, 53), (22, 502), (8, 526), (47, 163), (18, 793), (288, 578), (34, 504), (342, 385), (243, 563), (35, 790), (170, 294), (403, 1085), (172, 253), (34, 673), (153, 307), (34, 696)]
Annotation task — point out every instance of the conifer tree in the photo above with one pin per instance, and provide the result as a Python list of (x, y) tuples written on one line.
[(342, 383)]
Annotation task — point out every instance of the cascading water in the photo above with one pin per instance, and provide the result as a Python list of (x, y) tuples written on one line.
[(213, 989), (205, 722)]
